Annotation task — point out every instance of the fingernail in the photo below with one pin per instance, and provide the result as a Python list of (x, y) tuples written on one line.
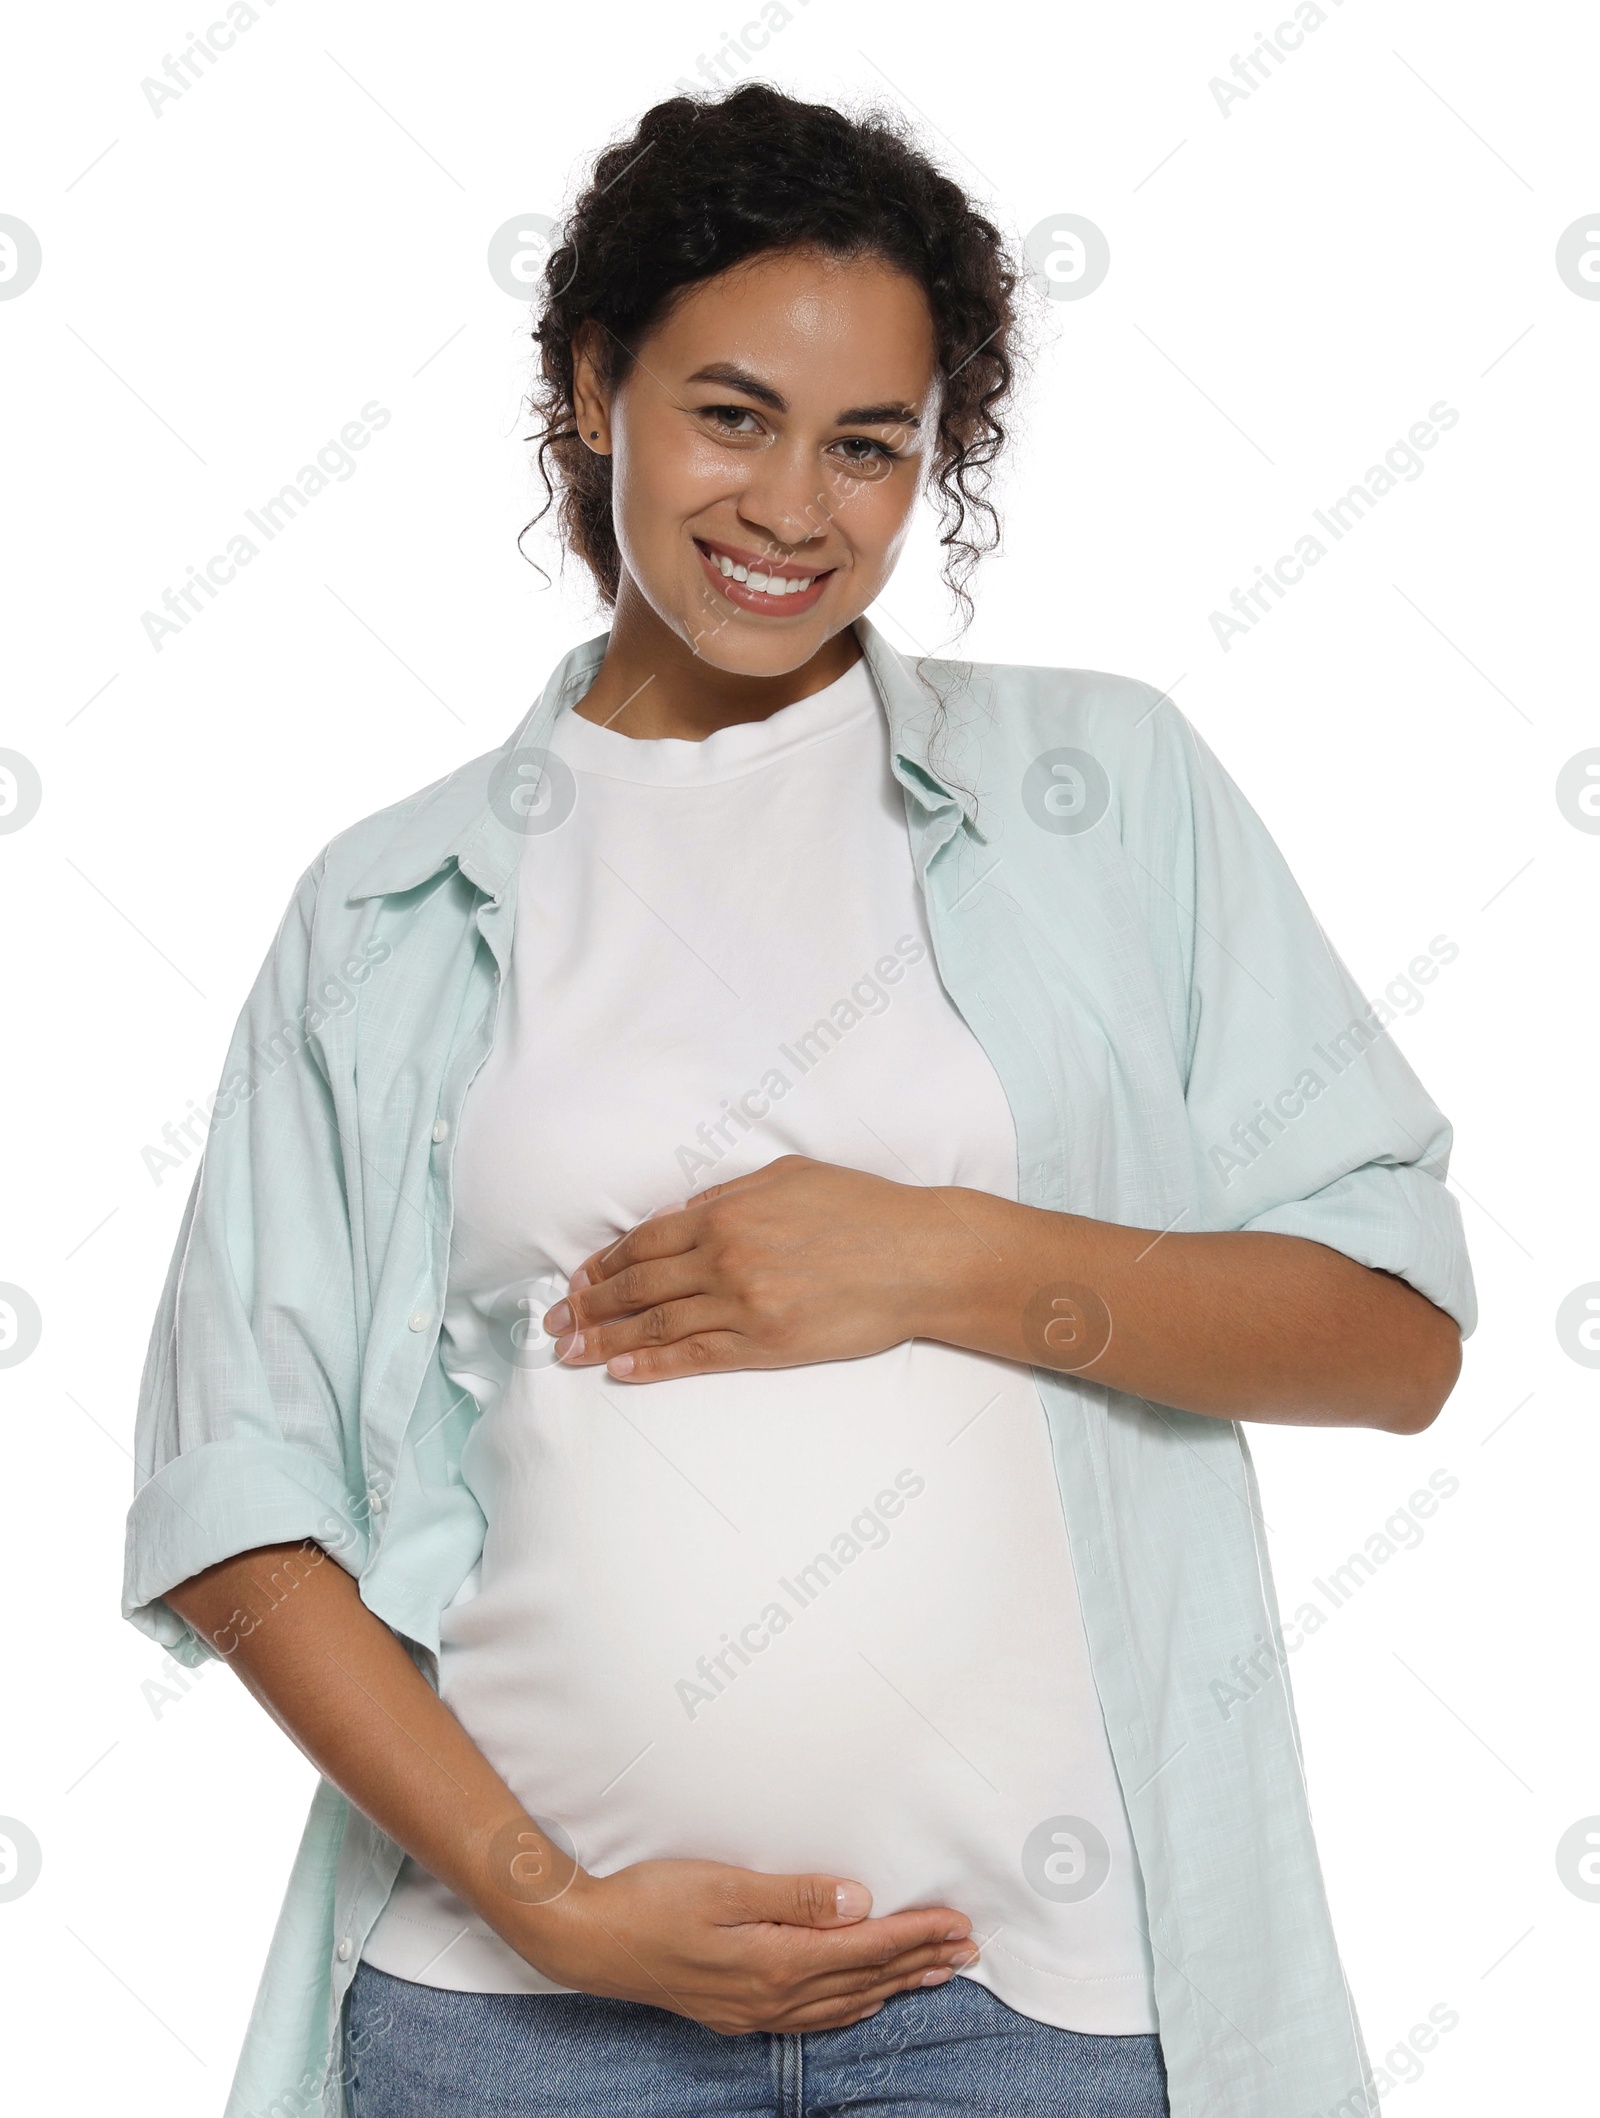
[(622, 1364), (955, 1934), (570, 1345), (558, 1319), (852, 1900), (963, 1957), (937, 1978), (578, 1281)]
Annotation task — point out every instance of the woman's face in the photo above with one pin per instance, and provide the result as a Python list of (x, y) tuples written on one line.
[(778, 421)]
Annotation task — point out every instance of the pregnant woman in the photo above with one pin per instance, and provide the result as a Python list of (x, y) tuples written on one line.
[(701, 1375)]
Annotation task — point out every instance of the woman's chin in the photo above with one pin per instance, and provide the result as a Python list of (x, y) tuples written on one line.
[(748, 646)]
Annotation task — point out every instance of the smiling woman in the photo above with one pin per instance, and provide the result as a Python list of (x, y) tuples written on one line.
[(972, 1836)]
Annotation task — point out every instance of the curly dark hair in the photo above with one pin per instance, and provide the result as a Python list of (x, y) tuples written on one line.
[(704, 182)]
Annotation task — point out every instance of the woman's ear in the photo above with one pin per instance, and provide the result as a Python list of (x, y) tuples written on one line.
[(589, 406)]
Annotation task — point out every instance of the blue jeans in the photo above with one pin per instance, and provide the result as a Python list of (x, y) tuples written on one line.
[(414, 2051)]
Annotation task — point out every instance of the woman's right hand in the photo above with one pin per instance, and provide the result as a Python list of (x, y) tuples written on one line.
[(734, 1949)]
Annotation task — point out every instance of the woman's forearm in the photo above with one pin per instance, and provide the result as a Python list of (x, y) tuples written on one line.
[(341, 1686), (1238, 1326)]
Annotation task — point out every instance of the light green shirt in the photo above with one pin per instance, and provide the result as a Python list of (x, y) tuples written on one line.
[(1180, 1048)]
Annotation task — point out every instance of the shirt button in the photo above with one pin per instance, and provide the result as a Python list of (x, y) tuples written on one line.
[(419, 1320), (376, 1503), (345, 1950), (441, 1130)]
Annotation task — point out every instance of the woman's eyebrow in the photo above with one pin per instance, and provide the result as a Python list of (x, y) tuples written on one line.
[(871, 415)]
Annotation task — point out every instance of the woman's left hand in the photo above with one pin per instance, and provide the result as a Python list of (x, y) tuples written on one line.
[(801, 1261)]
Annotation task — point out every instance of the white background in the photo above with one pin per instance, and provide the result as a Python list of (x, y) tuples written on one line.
[(226, 284)]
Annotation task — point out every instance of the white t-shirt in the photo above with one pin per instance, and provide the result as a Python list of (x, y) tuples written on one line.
[(815, 1618)]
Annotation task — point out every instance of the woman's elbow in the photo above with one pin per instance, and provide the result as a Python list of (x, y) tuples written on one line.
[(1429, 1369)]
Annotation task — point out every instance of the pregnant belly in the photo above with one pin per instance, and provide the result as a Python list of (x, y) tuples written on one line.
[(818, 1618)]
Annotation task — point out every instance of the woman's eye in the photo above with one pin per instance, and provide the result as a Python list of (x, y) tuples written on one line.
[(864, 459), (870, 451), (726, 418)]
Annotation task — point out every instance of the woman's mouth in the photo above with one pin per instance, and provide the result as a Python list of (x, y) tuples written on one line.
[(774, 590)]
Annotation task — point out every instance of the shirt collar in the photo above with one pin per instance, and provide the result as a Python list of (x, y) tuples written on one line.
[(460, 818)]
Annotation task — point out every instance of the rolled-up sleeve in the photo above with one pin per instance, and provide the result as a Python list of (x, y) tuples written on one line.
[(1306, 1118), (245, 1433)]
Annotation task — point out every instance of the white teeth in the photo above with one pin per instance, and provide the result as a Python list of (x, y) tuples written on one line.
[(764, 584)]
